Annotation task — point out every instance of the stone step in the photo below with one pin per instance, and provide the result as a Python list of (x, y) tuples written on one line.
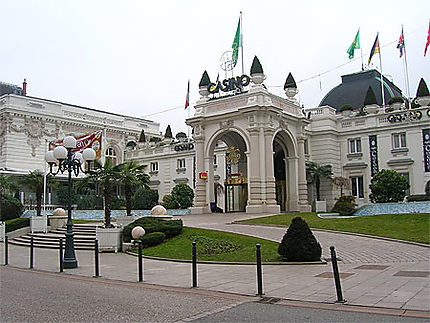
[(19, 242)]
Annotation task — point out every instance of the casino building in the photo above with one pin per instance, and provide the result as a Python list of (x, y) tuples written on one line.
[(249, 147)]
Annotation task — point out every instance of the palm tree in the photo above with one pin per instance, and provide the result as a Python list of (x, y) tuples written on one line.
[(315, 172), (7, 184), (131, 176), (107, 177), (34, 181)]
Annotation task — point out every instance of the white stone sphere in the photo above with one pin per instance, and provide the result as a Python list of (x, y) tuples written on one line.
[(158, 210), (59, 212), (137, 232)]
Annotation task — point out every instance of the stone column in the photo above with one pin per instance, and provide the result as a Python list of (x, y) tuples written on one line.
[(200, 200), (271, 204), (292, 183), (210, 181), (253, 164), (303, 187)]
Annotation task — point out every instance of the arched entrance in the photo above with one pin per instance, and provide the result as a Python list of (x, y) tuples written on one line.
[(235, 184), (285, 165)]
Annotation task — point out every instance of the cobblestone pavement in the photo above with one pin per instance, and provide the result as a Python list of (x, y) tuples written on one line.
[(374, 272)]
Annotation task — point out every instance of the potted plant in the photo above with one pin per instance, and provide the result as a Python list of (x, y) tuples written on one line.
[(108, 235), (423, 96), (346, 110), (396, 102), (257, 73), (370, 103), (290, 86), (315, 173)]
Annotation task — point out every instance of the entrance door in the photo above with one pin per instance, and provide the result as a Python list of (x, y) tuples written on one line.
[(236, 196)]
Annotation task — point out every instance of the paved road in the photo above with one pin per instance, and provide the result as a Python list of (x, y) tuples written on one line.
[(32, 296)]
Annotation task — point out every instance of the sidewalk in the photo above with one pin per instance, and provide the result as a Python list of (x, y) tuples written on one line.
[(374, 272)]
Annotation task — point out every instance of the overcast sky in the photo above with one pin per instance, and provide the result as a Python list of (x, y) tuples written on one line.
[(135, 57)]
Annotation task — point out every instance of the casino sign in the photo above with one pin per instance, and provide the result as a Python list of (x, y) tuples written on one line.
[(231, 86)]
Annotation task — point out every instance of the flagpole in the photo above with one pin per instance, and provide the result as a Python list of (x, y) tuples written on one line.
[(380, 67), (361, 51), (241, 40), (406, 67)]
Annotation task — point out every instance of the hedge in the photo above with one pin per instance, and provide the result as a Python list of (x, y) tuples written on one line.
[(15, 224), (170, 228), (152, 239)]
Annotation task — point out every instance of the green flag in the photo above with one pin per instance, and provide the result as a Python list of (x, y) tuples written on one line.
[(237, 42), (355, 45)]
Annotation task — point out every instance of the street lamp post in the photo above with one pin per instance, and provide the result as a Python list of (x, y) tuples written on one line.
[(70, 162)]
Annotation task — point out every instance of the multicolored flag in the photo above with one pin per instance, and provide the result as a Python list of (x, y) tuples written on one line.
[(401, 43), (355, 45), (187, 99), (237, 42), (375, 48), (428, 41)]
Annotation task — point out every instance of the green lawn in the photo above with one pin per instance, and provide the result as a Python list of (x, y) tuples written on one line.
[(226, 247), (409, 227)]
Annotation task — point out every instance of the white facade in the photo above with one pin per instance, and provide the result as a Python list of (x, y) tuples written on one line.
[(28, 124), (344, 143)]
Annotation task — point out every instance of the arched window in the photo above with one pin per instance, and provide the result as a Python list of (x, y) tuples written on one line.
[(110, 153)]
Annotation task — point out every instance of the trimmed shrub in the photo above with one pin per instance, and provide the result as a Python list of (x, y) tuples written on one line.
[(299, 243), (15, 224), (144, 199), (152, 239), (256, 67), (169, 203), (183, 195), (170, 228), (422, 89), (345, 205), (205, 80), (395, 99), (388, 186), (290, 82), (10, 207), (418, 198), (346, 107), (370, 97)]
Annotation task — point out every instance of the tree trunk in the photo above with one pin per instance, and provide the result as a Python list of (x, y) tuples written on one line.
[(108, 202), (39, 200), (317, 185), (128, 199)]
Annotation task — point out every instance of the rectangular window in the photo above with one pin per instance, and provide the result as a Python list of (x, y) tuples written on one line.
[(154, 167), (357, 186), (181, 163), (354, 145), (399, 140), (215, 160), (306, 147)]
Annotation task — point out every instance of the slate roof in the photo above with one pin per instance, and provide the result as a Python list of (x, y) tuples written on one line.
[(354, 87)]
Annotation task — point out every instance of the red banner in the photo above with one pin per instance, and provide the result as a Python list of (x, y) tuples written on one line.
[(92, 140)]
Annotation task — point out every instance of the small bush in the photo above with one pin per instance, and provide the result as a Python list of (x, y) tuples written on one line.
[(299, 243), (15, 224), (346, 107), (170, 228), (395, 99), (183, 195), (10, 207), (117, 203), (152, 239), (418, 198), (169, 203), (388, 186), (144, 199), (345, 205)]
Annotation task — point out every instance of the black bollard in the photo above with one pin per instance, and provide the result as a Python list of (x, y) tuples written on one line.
[(6, 251), (259, 272), (96, 258), (194, 265), (31, 252), (140, 261), (61, 256), (336, 276)]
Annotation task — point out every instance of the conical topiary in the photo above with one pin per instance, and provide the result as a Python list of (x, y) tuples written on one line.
[(290, 82), (299, 243), (205, 80), (256, 67), (168, 133), (370, 97), (142, 136), (422, 89)]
